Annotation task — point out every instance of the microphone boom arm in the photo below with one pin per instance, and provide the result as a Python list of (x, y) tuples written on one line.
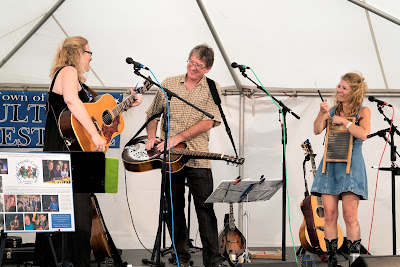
[(284, 107)]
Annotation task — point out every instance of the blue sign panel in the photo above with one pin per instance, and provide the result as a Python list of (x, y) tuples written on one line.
[(23, 119)]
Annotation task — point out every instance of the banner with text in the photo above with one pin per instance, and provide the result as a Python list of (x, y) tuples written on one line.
[(23, 119)]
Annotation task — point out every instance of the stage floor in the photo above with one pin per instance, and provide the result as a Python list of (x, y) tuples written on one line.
[(134, 257)]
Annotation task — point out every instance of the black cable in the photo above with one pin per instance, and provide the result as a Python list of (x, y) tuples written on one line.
[(130, 213)]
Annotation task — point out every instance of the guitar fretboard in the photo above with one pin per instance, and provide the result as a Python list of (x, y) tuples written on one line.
[(186, 152), (124, 105)]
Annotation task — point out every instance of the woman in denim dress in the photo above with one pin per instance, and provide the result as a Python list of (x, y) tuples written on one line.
[(335, 184)]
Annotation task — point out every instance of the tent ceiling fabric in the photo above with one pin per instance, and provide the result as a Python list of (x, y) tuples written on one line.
[(289, 44)]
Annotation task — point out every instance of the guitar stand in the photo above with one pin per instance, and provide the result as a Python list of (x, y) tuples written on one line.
[(301, 251)]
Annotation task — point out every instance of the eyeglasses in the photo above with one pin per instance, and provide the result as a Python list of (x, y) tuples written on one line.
[(199, 66), (89, 52)]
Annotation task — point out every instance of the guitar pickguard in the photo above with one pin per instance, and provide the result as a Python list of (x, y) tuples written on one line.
[(109, 130)]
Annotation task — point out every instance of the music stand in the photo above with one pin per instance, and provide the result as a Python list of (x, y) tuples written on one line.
[(244, 190)]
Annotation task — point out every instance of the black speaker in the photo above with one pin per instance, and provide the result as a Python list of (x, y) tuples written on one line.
[(381, 261), (272, 264)]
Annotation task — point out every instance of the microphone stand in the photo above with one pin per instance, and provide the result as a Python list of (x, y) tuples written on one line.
[(394, 170), (157, 246), (284, 111)]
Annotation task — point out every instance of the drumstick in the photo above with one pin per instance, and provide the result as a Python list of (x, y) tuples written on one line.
[(319, 92), (322, 99)]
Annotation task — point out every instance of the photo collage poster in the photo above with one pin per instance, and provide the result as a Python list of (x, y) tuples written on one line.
[(36, 192)]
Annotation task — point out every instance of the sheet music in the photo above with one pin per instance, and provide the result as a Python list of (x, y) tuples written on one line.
[(246, 190)]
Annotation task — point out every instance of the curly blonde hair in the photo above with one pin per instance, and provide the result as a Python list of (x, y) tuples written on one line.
[(69, 53), (358, 91)]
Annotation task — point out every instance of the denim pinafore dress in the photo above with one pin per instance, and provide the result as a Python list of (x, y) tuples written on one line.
[(335, 180)]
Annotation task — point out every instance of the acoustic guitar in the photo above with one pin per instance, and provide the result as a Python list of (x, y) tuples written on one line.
[(101, 241), (311, 232), (137, 159), (231, 241), (106, 116), (98, 239)]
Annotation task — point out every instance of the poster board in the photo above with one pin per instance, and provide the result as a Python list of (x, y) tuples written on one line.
[(36, 192)]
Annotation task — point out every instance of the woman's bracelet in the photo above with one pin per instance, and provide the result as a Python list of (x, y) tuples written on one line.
[(348, 125)]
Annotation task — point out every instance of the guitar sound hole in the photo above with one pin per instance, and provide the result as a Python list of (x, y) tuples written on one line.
[(320, 212), (107, 118)]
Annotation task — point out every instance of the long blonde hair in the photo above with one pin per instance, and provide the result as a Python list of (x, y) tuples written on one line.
[(69, 53), (358, 91)]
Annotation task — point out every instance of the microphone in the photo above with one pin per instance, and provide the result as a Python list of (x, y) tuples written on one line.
[(380, 102), (136, 65), (380, 133), (235, 65)]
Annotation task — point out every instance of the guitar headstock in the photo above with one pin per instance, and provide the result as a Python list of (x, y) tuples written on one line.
[(234, 160), (306, 145)]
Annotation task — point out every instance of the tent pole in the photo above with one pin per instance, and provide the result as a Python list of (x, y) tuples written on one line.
[(238, 86), (31, 32), (376, 11)]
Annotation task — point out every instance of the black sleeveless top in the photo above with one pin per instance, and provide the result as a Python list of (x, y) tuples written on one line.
[(55, 105)]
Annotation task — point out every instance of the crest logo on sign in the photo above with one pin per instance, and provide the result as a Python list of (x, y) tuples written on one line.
[(27, 172)]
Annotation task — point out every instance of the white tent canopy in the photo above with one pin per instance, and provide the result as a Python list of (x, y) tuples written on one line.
[(292, 46), (289, 44)]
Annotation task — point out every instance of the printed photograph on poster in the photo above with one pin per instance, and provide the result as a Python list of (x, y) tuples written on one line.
[(35, 221), (14, 221), (28, 203), (56, 171), (50, 203), (3, 166), (1, 221), (41, 221), (10, 205), (1, 203), (1, 184)]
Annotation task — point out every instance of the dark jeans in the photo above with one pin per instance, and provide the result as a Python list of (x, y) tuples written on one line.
[(200, 182)]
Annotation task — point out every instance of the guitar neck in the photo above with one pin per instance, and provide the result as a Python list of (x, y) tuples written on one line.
[(231, 219), (124, 105), (314, 170), (197, 154)]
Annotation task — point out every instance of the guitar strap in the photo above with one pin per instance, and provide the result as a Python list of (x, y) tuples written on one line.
[(90, 90), (141, 129), (83, 86), (51, 90), (217, 101)]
